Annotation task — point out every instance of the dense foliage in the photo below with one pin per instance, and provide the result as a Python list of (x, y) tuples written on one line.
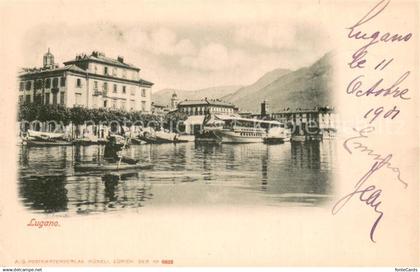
[(79, 115), (173, 121)]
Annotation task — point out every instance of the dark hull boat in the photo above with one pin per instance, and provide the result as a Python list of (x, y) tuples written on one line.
[(37, 138), (273, 140), (150, 139), (111, 167), (47, 143), (136, 141)]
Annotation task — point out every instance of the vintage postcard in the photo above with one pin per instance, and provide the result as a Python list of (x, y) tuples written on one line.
[(209, 133)]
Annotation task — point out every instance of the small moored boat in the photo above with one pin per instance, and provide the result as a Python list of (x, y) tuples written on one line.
[(47, 143), (111, 167), (273, 140)]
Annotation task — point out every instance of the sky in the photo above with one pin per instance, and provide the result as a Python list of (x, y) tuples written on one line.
[(186, 55)]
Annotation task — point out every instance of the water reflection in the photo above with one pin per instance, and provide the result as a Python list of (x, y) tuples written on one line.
[(183, 174), (45, 193)]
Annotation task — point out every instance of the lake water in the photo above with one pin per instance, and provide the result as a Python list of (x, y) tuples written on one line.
[(186, 174)]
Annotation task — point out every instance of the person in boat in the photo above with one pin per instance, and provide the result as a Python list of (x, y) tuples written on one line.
[(113, 152)]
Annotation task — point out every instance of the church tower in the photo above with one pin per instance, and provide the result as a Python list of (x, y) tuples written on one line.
[(174, 101), (48, 60)]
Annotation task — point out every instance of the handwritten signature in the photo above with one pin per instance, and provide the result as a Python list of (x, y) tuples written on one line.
[(369, 194), (353, 143)]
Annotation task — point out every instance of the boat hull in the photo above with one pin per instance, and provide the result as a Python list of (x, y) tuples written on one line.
[(235, 137), (273, 140), (110, 167), (47, 143)]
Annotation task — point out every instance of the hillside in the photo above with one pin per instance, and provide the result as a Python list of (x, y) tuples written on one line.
[(164, 96), (304, 88), (262, 82)]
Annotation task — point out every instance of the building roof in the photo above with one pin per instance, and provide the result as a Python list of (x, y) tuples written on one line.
[(73, 67), (145, 82), (158, 105), (101, 58), (38, 71), (204, 102), (299, 110)]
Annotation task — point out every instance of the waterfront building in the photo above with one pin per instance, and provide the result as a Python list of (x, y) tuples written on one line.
[(318, 121), (92, 81), (204, 106), (198, 109), (160, 109)]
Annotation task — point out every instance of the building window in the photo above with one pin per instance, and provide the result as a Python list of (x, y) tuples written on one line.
[(63, 82), (47, 98), (28, 98), (38, 84), (143, 92), (105, 70), (62, 98), (105, 103), (21, 86), (143, 105), (48, 83), (55, 82), (123, 105), (124, 90), (105, 86), (95, 68), (54, 98), (95, 85), (132, 92), (115, 88), (28, 85), (78, 83), (114, 104), (38, 99), (132, 103)]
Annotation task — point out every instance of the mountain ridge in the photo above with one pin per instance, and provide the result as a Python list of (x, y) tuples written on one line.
[(163, 96), (306, 87)]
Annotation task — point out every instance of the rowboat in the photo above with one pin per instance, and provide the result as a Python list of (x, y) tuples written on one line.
[(273, 140), (111, 167), (45, 135), (136, 141), (161, 138), (47, 143), (39, 138), (89, 140)]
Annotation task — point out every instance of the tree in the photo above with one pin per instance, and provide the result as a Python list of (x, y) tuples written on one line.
[(174, 120)]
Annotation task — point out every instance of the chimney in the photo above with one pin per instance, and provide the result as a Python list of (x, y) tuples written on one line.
[(120, 59)]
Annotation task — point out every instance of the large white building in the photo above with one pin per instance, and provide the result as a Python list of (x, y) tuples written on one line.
[(92, 81), (197, 110)]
